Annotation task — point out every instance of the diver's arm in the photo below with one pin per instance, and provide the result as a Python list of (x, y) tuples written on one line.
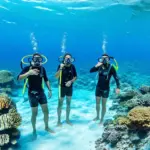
[(24, 76), (60, 67), (58, 73), (28, 73), (116, 78), (75, 78), (47, 82), (48, 85), (96, 67), (74, 74)]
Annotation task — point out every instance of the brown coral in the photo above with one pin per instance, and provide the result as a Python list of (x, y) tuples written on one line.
[(140, 116), (123, 121), (4, 101)]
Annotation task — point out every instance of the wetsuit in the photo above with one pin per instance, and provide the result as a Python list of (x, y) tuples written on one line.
[(35, 91), (68, 73), (105, 74)]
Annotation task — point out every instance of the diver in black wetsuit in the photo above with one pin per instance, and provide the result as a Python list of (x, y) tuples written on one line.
[(105, 71), (35, 73), (69, 75)]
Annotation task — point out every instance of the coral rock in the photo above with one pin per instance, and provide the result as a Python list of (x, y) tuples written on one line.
[(140, 116), (6, 77)]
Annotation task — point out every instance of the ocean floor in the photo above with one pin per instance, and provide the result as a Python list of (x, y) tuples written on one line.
[(82, 135)]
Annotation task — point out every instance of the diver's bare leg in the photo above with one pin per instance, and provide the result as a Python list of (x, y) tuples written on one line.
[(59, 109), (104, 100), (33, 120), (68, 98), (97, 108), (46, 117)]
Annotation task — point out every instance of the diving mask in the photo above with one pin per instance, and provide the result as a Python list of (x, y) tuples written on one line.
[(104, 60), (37, 61), (68, 61)]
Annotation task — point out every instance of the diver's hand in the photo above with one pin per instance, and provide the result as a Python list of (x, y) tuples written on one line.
[(68, 84), (33, 72), (61, 66), (98, 64), (49, 94), (117, 91)]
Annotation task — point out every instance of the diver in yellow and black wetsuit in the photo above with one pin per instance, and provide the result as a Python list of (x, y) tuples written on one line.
[(105, 72), (66, 73), (35, 73)]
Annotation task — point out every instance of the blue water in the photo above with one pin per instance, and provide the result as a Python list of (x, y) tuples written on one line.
[(127, 34), (125, 25)]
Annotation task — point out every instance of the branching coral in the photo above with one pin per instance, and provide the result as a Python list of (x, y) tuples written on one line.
[(10, 120), (4, 139)]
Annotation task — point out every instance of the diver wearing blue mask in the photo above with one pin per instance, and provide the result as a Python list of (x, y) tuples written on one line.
[(66, 73), (105, 72)]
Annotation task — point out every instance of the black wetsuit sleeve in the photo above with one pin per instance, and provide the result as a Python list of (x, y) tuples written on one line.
[(114, 73), (45, 75), (94, 69), (74, 71), (24, 70)]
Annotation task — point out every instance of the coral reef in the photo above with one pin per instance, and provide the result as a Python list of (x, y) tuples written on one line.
[(144, 89), (7, 81), (112, 135), (140, 117), (6, 78), (127, 95), (140, 100), (5, 101), (10, 120), (130, 128), (123, 121)]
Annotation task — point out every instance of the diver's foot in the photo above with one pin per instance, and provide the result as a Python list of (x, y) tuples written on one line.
[(95, 119), (101, 123), (49, 130), (59, 124), (69, 123), (34, 136)]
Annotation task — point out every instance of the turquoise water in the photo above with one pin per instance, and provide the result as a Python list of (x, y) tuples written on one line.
[(85, 28)]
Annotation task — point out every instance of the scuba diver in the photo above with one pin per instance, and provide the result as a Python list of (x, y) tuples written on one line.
[(105, 71), (66, 73), (34, 74)]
